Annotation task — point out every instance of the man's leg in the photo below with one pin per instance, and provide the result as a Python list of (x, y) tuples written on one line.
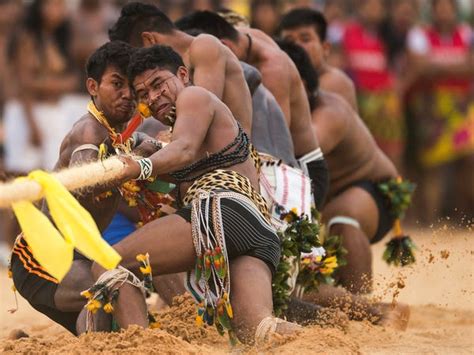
[(358, 205), (169, 243), (169, 286), (251, 296)]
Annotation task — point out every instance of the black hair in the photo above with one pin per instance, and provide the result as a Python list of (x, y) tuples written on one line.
[(303, 63), (33, 24), (208, 22), (158, 56), (305, 17), (115, 53), (136, 18)]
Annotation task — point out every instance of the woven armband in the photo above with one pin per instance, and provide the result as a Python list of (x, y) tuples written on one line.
[(146, 169)]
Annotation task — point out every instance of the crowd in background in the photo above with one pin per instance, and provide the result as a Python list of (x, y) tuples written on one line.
[(384, 45)]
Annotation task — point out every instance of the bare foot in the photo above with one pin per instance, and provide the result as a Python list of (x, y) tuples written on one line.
[(395, 315), (288, 328)]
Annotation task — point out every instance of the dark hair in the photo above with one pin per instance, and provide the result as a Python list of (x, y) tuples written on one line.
[(208, 22), (33, 23), (305, 17), (136, 18), (157, 56), (115, 53), (303, 63)]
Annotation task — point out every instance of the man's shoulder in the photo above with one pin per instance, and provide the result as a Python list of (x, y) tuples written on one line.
[(335, 77), (204, 43), (194, 94), (87, 130)]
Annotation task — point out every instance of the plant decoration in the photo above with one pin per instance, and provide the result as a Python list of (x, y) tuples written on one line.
[(400, 249), (318, 267), (299, 235)]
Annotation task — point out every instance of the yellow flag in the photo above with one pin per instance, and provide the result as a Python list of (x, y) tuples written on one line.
[(47, 244), (73, 221)]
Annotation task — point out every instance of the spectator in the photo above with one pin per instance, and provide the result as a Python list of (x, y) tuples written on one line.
[(265, 15), (40, 62), (10, 12), (367, 63), (441, 104)]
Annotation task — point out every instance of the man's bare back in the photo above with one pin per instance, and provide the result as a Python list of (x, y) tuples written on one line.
[(205, 57), (350, 150), (280, 76)]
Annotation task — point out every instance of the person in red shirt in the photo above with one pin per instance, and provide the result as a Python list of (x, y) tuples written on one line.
[(441, 103), (368, 66)]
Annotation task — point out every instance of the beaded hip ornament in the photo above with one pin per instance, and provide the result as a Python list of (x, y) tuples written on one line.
[(212, 265)]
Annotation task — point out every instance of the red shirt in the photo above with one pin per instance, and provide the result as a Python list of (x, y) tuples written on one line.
[(451, 49), (367, 61)]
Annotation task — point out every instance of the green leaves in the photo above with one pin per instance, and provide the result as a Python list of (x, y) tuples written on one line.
[(399, 193), (400, 251)]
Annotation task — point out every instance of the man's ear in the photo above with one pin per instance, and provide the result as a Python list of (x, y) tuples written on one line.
[(92, 86), (183, 75), (148, 39)]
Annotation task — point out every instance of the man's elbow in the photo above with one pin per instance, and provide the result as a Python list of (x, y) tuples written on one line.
[(188, 155)]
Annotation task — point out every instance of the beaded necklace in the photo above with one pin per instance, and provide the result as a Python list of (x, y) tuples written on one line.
[(139, 194)]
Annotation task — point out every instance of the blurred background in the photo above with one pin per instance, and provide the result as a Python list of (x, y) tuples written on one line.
[(44, 45)]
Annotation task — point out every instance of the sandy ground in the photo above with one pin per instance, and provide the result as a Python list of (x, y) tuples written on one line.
[(439, 289)]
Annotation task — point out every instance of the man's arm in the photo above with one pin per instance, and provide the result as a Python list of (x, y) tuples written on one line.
[(330, 123), (277, 79), (208, 64), (194, 113)]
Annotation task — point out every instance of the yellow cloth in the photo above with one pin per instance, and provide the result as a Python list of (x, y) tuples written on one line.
[(76, 225)]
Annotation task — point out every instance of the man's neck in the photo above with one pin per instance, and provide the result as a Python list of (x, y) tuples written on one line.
[(178, 40), (253, 48)]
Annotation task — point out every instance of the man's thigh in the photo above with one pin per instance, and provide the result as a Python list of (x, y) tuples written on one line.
[(356, 203)]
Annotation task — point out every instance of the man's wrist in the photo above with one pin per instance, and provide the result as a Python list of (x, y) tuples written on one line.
[(146, 169)]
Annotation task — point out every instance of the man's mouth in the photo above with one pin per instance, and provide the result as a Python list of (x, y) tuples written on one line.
[(125, 107), (161, 109)]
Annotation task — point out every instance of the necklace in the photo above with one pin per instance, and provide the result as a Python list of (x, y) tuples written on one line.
[(249, 48), (115, 137)]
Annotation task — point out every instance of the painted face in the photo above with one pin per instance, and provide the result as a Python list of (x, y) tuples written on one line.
[(159, 89), (114, 96), (306, 37)]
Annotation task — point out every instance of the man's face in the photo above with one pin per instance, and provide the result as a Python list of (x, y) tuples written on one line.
[(159, 88), (113, 96), (306, 37), (444, 13)]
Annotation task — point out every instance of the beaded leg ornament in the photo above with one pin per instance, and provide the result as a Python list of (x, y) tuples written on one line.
[(400, 249), (212, 265), (104, 293)]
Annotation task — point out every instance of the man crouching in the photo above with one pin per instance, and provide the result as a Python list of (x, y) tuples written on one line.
[(222, 227)]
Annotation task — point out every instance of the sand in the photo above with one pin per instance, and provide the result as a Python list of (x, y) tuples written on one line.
[(439, 289)]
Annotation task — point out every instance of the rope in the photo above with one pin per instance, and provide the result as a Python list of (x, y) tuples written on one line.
[(75, 178)]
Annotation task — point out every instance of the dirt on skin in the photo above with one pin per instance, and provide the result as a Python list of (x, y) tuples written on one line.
[(438, 289)]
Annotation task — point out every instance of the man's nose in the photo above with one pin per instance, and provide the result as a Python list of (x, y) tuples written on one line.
[(127, 92), (153, 96)]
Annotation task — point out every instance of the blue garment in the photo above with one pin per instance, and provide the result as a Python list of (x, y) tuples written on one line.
[(118, 229)]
